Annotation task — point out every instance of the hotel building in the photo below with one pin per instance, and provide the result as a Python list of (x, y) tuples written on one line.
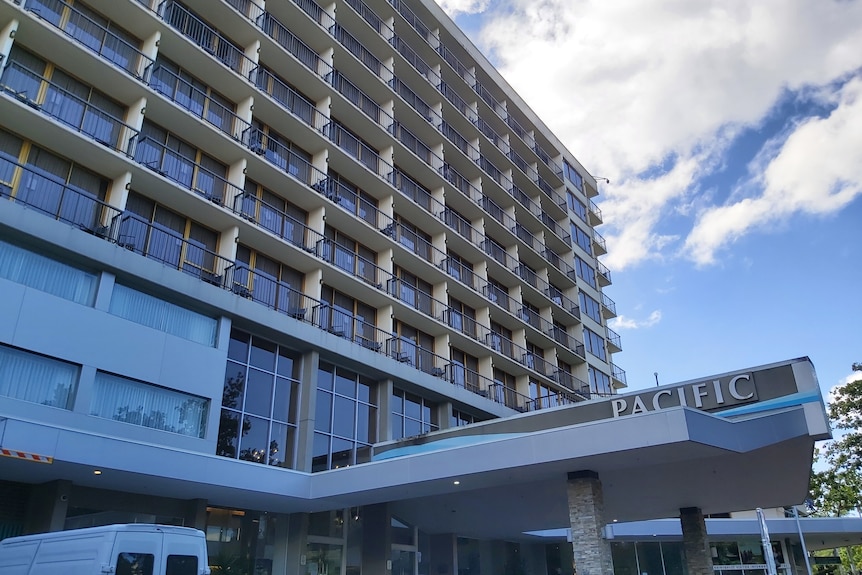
[(249, 251)]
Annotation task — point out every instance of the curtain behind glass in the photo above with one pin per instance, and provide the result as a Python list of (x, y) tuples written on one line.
[(161, 315), (37, 379), (47, 275)]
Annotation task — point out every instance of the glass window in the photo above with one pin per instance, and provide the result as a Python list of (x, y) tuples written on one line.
[(47, 275), (164, 316), (412, 415), (590, 307), (594, 343), (135, 564), (585, 272), (139, 403), (572, 175), (37, 379), (581, 238), (181, 565)]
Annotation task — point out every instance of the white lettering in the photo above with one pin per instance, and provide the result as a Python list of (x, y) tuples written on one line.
[(680, 391), (719, 397), (656, 405), (699, 393), (638, 406), (734, 392), (619, 405)]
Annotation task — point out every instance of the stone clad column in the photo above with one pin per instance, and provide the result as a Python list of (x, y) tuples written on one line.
[(592, 552), (698, 559)]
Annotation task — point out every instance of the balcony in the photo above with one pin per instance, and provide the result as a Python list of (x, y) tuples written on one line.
[(609, 307), (361, 100), (94, 36), (293, 45), (461, 226), (557, 261), (538, 364), (461, 323), (453, 98), (572, 383), (489, 133), (552, 225), (450, 58), (412, 19), (460, 141), (595, 214), (604, 274), (207, 38), (190, 98), (564, 303), (505, 346), (415, 101), (413, 242), (356, 148), (496, 174), (508, 397), (182, 170), (614, 342), (415, 298), (415, 192), (315, 12), (461, 183), (501, 298), (409, 54), (466, 378), (555, 400), (247, 8), (371, 17), (460, 272), (347, 198), (24, 85), (533, 319), (55, 199), (618, 376), (269, 218), (525, 236), (342, 323), (549, 191), (600, 247), (267, 290), (282, 157), (406, 351), (417, 146), (362, 53), (547, 160), (351, 263), (289, 99)]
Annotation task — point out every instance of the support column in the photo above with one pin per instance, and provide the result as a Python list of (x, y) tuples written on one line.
[(376, 539), (698, 559), (47, 507), (592, 553)]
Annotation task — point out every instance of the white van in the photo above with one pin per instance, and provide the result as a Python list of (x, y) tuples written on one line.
[(133, 549)]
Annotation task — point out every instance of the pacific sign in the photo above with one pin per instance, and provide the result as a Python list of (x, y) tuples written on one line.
[(706, 395)]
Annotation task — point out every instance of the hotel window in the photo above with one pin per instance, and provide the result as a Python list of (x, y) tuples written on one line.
[(280, 151), (51, 184), (260, 402), (412, 415), (91, 29), (535, 358), (531, 315), (460, 418), (345, 420), (500, 339), (59, 95), (413, 347), (576, 205), (285, 94), (45, 274), (268, 281), (346, 317), (413, 190), (274, 213), (349, 255), (455, 220), (496, 250), (162, 234), (159, 314), (179, 161), (413, 238), (348, 195), (599, 382), (595, 344), (465, 369), (461, 317), (129, 401), (528, 274), (354, 145), (572, 175), (504, 389), (544, 396), (590, 307), (497, 293), (581, 238), (459, 268), (179, 86), (585, 272), (412, 290), (37, 379)]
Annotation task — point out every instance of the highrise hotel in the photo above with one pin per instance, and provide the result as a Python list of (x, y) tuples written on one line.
[(245, 243)]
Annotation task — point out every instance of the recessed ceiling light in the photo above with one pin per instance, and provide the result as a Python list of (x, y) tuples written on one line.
[(97, 472), (456, 482)]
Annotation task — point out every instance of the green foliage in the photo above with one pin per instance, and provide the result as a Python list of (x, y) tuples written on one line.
[(837, 489)]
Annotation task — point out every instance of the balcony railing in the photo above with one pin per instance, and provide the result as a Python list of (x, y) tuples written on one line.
[(524, 235), (181, 170), (348, 261), (207, 38), (499, 297), (412, 19), (552, 225), (360, 99), (56, 199), (276, 221), (194, 100), (171, 249), (362, 53), (273, 28), (406, 351), (412, 190), (489, 132), (532, 318), (414, 101), (450, 58), (413, 242), (555, 400), (599, 244), (370, 16), (557, 261), (463, 323), (604, 273), (93, 35), (353, 146), (508, 397), (83, 117), (547, 160), (619, 374), (461, 183), (463, 227), (289, 99), (267, 290), (417, 146), (496, 174), (595, 214), (347, 198), (282, 157), (538, 364), (460, 141), (614, 339), (315, 12), (489, 99), (569, 381), (420, 65), (609, 305), (468, 379), (344, 324), (460, 104), (549, 191), (459, 271), (248, 8), (415, 298), (563, 302)]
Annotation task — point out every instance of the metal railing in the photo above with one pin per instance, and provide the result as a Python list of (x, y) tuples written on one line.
[(618, 373), (315, 12), (415, 101), (80, 115), (269, 291), (614, 338), (415, 60), (413, 242), (191, 98), (412, 19), (609, 304), (552, 224), (508, 397), (352, 263), (500, 297), (569, 381), (360, 99), (461, 376), (248, 8), (406, 351), (450, 58), (460, 272), (415, 298), (362, 53), (595, 212), (93, 35), (281, 224), (209, 39), (460, 141), (288, 98), (533, 318), (415, 191), (370, 16), (490, 133), (55, 198), (348, 199), (282, 36), (599, 242), (557, 261), (549, 191), (356, 148), (181, 170), (460, 182), (456, 100), (604, 272), (346, 325), (156, 242), (461, 226), (563, 302), (282, 157), (496, 174), (412, 142)]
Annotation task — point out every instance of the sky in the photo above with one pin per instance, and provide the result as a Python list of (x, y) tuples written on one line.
[(731, 133)]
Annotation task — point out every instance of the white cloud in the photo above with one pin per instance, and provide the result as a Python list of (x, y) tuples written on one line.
[(622, 322), (455, 7), (816, 171), (650, 92)]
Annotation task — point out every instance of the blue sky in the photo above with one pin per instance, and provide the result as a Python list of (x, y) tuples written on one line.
[(731, 132)]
